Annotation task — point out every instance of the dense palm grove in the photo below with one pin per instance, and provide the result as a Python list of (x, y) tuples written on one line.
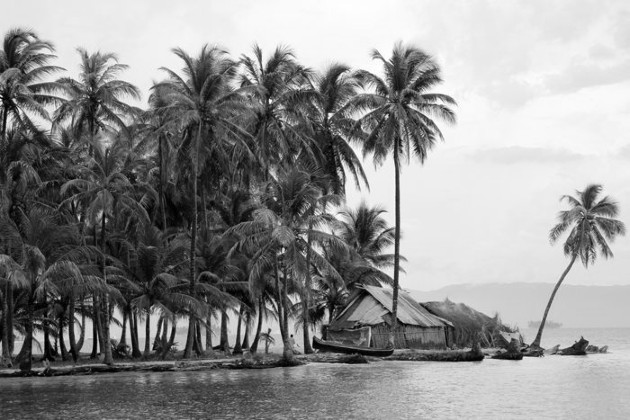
[(223, 199)]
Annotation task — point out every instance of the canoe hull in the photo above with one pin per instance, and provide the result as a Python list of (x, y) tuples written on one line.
[(329, 346)]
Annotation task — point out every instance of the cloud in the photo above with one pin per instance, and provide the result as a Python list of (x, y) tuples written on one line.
[(518, 154), (582, 76)]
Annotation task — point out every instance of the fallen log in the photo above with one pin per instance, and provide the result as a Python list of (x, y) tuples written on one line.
[(577, 349)]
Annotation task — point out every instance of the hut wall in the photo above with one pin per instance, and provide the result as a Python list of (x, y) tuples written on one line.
[(424, 338), (410, 336)]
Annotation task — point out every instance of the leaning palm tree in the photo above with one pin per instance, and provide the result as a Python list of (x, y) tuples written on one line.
[(591, 223), (398, 119)]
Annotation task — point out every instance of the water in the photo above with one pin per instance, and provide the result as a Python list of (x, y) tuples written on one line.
[(595, 386)]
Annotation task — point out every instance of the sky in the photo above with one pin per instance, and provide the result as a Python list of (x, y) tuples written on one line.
[(543, 92)]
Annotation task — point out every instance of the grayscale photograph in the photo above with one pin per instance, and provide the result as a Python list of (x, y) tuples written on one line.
[(333, 209)]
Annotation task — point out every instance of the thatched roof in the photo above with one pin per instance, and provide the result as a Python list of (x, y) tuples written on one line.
[(372, 305)]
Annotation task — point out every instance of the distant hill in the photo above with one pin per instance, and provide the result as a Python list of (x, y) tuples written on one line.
[(519, 303)]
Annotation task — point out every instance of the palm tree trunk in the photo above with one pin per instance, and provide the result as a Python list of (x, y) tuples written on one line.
[(261, 309), (287, 353), (158, 333), (123, 335), (171, 339), (95, 328), (108, 359), (306, 298), (209, 333), (394, 327), (79, 345), (536, 342), (193, 244), (164, 338), (73, 343), (9, 320), (225, 342), (25, 357), (62, 341), (5, 361), (133, 325), (238, 349), (161, 184), (248, 321), (198, 347), (3, 145), (147, 339)]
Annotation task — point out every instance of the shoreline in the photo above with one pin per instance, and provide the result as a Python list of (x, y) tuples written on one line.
[(268, 361)]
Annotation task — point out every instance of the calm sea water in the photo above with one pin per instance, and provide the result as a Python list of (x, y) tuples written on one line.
[(595, 386)]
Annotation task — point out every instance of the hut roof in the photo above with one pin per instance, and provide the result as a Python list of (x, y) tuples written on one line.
[(373, 305)]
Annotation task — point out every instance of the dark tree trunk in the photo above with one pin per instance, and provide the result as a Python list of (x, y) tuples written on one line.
[(162, 181), (536, 342), (164, 337), (306, 299), (48, 350), (197, 344), (25, 356), (62, 341), (248, 322), (394, 326), (108, 359), (73, 342), (261, 315), (158, 333), (135, 343), (147, 340), (193, 252), (83, 329), (5, 360), (287, 353), (123, 335), (209, 333), (238, 349), (224, 343), (171, 340), (9, 321)]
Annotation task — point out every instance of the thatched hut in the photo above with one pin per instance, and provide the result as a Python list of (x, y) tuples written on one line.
[(471, 325), (366, 321)]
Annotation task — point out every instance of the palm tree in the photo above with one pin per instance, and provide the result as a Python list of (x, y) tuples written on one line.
[(591, 223), (366, 231), (23, 63), (328, 112), (44, 255), (101, 190), (275, 86), (95, 101), (207, 107), (397, 120), (277, 238)]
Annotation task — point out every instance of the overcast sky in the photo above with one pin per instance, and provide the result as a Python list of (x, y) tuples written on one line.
[(544, 102)]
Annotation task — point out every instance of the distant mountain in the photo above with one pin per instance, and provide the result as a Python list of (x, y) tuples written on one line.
[(519, 303)]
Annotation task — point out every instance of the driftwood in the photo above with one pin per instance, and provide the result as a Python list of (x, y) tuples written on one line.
[(473, 355), (513, 352), (552, 350), (594, 349), (577, 349)]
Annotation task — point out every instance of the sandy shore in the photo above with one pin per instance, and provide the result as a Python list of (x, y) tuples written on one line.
[(87, 366)]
